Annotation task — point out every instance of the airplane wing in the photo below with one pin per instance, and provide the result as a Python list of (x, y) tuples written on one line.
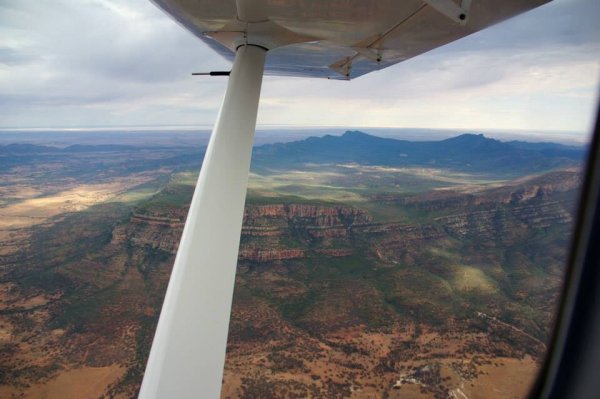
[(337, 39)]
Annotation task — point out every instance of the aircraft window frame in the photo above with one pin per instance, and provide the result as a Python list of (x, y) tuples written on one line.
[(570, 369)]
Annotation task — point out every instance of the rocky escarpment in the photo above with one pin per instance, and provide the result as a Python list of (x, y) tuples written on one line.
[(284, 231), (266, 255), (316, 216), (320, 222), (155, 234), (280, 232), (157, 220), (506, 222), (264, 229), (541, 188)]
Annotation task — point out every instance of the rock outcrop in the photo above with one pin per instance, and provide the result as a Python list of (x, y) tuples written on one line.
[(306, 214), (280, 232), (269, 255)]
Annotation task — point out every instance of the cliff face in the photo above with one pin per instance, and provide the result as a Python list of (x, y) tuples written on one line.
[(265, 226), (321, 266), (267, 255), (306, 214), (505, 223), (281, 232), (541, 188)]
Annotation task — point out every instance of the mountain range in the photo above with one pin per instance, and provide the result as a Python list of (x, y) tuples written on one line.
[(467, 152)]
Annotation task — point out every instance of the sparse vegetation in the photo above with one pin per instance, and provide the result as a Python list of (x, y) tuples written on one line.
[(353, 277)]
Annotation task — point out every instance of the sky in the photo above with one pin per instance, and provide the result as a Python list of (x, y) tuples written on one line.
[(94, 63)]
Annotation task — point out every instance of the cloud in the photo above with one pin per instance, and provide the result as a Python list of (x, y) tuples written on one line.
[(108, 62), (123, 41), (96, 54), (538, 71), (12, 57)]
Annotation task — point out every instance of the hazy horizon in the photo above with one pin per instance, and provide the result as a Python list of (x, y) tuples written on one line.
[(188, 134), (538, 71)]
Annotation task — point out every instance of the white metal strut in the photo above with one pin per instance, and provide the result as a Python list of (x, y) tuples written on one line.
[(188, 351)]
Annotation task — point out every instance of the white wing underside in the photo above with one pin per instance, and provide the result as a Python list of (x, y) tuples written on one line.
[(337, 39)]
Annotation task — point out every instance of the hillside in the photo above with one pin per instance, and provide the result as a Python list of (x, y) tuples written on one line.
[(468, 152)]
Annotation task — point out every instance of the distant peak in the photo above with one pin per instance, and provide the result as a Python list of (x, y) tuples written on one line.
[(471, 135), (355, 133), (469, 138)]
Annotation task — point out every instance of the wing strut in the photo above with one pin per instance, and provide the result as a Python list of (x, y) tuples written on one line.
[(188, 351)]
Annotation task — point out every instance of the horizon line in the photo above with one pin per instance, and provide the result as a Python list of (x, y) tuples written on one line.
[(185, 127)]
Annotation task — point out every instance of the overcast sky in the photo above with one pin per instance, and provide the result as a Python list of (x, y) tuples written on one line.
[(85, 63)]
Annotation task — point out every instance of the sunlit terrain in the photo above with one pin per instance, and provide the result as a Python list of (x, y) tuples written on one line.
[(367, 268)]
